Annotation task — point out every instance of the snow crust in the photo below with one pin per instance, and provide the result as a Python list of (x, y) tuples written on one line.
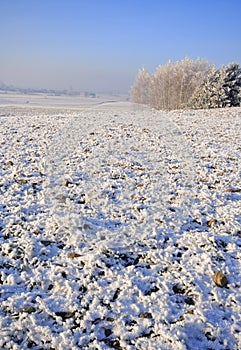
[(113, 221)]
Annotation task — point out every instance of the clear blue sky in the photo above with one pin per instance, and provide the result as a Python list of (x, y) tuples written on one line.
[(99, 45)]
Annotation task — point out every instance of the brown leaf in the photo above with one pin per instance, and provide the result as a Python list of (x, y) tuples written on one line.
[(21, 181), (28, 310), (211, 222), (189, 312), (9, 163), (73, 255), (220, 279), (204, 180), (233, 190), (181, 318), (64, 314), (66, 183)]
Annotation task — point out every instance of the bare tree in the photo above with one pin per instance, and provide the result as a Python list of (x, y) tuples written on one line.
[(191, 74), (160, 96), (172, 84), (140, 91)]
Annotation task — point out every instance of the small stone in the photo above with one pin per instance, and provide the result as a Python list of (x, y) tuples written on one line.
[(46, 242), (209, 336), (108, 332), (82, 199), (28, 310), (116, 294), (220, 279), (178, 289), (145, 315), (64, 275), (189, 301)]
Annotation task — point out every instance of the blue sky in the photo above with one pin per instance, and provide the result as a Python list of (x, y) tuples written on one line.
[(99, 45)]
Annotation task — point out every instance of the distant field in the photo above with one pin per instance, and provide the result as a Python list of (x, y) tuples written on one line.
[(64, 101)]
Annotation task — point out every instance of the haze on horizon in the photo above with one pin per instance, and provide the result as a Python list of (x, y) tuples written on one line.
[(99, 45)]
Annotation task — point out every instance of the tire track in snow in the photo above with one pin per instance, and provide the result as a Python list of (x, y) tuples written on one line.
[(169, 162)]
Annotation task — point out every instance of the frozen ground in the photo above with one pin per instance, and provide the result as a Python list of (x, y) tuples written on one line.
[(113, 222)]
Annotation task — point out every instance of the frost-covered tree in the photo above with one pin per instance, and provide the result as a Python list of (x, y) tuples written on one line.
[(140, 91), (190, 74), (221, 88), (173, 83), (208, 94), (232, 85), (161, 87)]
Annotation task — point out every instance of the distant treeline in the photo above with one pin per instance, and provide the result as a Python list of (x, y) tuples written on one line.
[(188, 84), (14, 89)]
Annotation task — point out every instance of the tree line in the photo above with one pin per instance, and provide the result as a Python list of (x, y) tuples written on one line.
[(188, 84)]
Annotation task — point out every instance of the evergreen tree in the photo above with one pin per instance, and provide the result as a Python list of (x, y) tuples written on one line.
[(221, 88), (232, 85)]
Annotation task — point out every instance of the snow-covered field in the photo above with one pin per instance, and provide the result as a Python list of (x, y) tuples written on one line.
[(114, 220)]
